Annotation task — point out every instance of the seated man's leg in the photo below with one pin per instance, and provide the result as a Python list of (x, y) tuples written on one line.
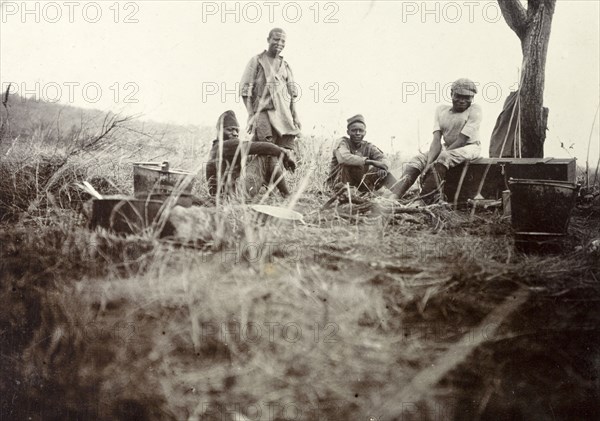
[(446, 160), (226, 181), (351, 174), (430, 190), (268, 171), (261, 171), (252, 181), (212, 185), (275, 175), (411, 172), (367, 179), (288, 143), (371, 180)]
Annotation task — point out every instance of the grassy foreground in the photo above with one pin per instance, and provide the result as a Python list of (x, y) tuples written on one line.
[(345, 318)]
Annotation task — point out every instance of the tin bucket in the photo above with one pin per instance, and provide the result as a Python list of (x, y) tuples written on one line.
[(157, 178), (128, 215), (540, 212)]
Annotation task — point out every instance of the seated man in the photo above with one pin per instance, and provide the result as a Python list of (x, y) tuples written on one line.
[(458, 124), (260, 168), (358, 162)]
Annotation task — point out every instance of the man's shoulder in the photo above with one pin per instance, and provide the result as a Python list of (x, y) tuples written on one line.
[(475, 107), (370, 146), (363, 143), (261, 57), (285, 63), (225, 143), (443, 108), (256, 57), (337, 142)]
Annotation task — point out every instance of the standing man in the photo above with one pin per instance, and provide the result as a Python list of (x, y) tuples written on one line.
[(458, 126), (227, 155), (358, 162), (269, 92)]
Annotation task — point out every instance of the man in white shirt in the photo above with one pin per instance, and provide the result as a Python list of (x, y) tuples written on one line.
[(458, 126)]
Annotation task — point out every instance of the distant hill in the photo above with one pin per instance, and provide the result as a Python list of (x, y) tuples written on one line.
[(28, 119)]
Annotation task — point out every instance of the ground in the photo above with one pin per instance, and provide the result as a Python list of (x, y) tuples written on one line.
[(331, 320)]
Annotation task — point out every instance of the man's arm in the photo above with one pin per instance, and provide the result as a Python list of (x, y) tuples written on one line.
[(435, 148), (434, 151), (250, 109), (459, 143), (377, 160), (295, 115), (345, 157), (291, 87), (247, 89), (233, 147)]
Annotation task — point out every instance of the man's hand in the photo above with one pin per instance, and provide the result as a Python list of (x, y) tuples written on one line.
[(297, 123), (378, 164), (382, 171), (288, 162), (427, 168)]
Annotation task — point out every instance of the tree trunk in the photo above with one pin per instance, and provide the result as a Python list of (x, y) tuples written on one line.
[(532, 26)]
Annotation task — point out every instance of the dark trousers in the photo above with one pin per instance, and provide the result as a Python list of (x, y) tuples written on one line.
[(365, 178)]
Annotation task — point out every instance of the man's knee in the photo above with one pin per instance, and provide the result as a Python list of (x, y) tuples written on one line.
[(445, 159), (418, 162), (351, 174), (441, 163), (286, 141)]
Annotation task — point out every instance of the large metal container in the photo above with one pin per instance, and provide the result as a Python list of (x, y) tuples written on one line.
[(128, 215), (541, 206), (157, 178), (540, 213)]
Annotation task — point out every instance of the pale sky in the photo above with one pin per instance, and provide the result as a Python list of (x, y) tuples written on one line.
[(389, 60)]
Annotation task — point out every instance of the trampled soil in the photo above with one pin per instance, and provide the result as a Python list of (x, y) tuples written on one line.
[(339, 321)]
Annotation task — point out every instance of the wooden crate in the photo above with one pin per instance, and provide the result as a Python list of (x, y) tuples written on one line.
[(497, 171), (128, 215)]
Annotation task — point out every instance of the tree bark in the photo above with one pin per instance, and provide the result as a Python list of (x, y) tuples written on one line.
[(532, 26)]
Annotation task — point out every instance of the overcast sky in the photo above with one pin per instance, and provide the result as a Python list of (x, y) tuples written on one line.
[(182, 61)]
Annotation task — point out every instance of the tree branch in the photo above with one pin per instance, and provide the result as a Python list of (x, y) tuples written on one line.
[(515, 16), (3, 121), (533, 7)]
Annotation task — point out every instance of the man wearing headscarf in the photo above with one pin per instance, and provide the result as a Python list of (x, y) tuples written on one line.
[(259, 170), (358, 162), (458, 126)]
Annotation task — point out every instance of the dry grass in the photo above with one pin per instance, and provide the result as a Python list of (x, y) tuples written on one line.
[(315, 322)]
